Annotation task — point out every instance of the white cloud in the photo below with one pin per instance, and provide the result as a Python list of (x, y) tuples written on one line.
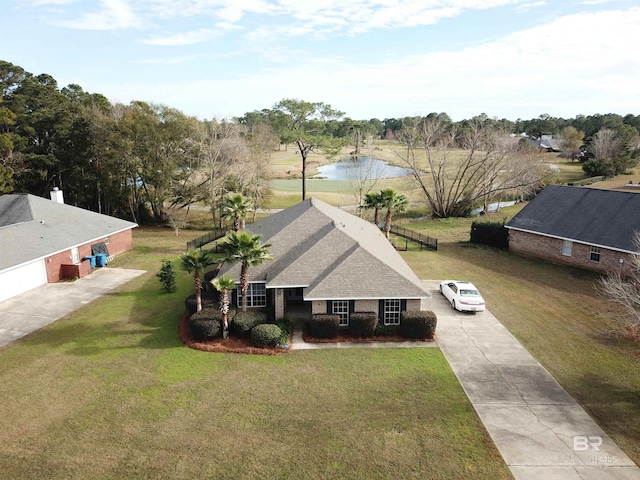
[(558, 68), (294, 16), (181, 39), (115, 14)]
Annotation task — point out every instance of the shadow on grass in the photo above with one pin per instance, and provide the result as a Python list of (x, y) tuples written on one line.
[(559, 277), (136, 316)]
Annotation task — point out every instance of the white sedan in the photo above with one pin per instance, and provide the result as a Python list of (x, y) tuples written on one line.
[(462, 296)]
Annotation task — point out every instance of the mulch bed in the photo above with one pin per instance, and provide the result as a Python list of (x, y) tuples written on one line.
[(226, 345), (343, 338), (243, 345)]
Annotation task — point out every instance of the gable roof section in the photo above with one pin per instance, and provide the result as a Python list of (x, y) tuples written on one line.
[(331, 253), (33, 227), (604, 218)]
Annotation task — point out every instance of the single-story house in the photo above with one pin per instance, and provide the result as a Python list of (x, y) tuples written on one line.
[(580, 227), (44, 241), (546, 142), (327, 260)]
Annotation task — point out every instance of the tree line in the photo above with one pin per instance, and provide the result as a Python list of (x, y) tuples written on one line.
[(149, 162)]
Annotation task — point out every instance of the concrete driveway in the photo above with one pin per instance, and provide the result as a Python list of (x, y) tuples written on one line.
[(539, 429), (36, 308)]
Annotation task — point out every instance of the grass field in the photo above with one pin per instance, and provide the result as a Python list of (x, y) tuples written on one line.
[(110, 392), (554, 311)]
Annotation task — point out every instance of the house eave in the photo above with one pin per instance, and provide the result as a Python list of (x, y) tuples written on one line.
[(386, 297), (582, 242)]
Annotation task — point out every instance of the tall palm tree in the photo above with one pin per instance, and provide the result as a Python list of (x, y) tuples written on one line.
[(393, 202), (196, 261), (374, 201), (237, 207), (224, 285), (245, 247)]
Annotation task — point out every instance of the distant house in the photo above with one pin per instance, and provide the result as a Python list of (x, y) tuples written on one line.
[(546, 142), (44, 241), (581, 227), (329, 261)]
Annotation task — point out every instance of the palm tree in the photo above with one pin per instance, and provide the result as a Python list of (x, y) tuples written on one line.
[(244, 247), (374, 201), (195, 261), (224, 285), (237, 207), (393, 202)]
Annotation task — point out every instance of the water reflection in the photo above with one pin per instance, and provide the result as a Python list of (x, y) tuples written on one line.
[(360, 167)]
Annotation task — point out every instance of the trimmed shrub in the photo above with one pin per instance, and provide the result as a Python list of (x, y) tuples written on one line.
[(493, 234), (362, 324), (421, 324), (205, 324), (324, 325), (285, 327), (386, 330), (266, 335), (207, 301), (243, 322)]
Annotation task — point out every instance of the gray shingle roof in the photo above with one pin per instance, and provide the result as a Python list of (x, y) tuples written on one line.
[(604, 218), (332, 253), (34, 227)]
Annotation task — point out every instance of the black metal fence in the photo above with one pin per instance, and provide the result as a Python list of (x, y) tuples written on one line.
[(205, 239), (422, 240)]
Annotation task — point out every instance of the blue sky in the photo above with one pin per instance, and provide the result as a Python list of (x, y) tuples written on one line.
[(368, 58)]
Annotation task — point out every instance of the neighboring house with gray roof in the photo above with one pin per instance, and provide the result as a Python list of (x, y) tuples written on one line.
[(44, 241), (546, 142), (581, 227), (328, 261)]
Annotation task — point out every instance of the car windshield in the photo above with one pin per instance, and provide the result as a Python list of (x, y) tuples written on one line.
[(470, 293)]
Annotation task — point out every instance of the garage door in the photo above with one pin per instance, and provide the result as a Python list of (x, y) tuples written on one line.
[(18, 280)]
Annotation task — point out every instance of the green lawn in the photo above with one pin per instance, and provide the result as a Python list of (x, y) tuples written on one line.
[(110, 392)]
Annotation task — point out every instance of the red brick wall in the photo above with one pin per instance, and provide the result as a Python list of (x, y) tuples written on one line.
[(118, 243), (121, 242), (550, 249)]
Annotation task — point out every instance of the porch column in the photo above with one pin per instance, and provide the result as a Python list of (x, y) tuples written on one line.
[(279, 303)]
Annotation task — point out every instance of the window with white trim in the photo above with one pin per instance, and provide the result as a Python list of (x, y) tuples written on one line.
[(256, 295), (341, 307), (594, 254), (392, 309), (567, 248), (75, 255)]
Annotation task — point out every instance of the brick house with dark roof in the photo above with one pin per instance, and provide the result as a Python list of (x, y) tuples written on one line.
[(44, 241), (581, 227), (328, 261)]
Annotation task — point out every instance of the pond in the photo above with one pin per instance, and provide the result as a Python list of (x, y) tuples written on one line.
[(360, 167)]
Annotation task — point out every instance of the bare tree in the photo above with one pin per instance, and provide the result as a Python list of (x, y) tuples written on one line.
[(625, 292), (604, 144), (363, 175), (221, 146), (462, 168)]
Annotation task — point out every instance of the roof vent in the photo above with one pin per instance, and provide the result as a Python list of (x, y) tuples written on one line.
[(56, 195)]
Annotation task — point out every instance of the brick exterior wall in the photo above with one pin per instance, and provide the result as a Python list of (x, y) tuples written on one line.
[(550, 249), (366, 306), (413, 305), (320, 306), (58, 264), (278, 302)]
